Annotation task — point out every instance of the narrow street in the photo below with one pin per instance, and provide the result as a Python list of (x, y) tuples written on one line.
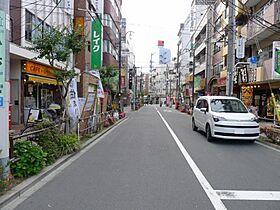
[(153, 160)]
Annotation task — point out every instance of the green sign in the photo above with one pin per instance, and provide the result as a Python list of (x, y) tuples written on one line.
[(2, 57), (277, 66), (96, 44)]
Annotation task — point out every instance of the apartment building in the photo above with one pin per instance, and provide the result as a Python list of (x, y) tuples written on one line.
[(260, 26)]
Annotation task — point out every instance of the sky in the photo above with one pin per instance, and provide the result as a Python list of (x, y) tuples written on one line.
[(153, 20)]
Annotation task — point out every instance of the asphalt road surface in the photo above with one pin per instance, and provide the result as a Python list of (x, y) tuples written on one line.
[(153, 160)]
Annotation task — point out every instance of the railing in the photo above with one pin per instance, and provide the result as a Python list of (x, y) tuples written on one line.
[(31, 135), (90, 125)]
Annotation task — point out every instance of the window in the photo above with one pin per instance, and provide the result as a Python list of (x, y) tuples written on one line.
[(228, 105), (28, 25), (33, 26), (199, 104)]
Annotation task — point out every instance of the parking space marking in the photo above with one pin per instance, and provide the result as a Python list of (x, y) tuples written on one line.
[(248, 195), (210, 192)]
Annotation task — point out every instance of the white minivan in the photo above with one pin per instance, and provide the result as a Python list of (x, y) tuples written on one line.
[(224, 117)]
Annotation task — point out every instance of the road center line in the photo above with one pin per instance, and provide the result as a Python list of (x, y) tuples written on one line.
[(248, 195), (211, 193)]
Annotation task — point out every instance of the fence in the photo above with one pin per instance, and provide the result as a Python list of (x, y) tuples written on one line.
[(94, 123), (31, 135), (90, 125)]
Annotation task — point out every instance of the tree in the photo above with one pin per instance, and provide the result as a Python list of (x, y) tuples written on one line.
[(109, 77), (57, 45)]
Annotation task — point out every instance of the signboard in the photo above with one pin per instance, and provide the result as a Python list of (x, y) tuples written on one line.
[(98, 6), (2, 57), (240, 47), (276, 60), (37, 69), (89, 102), (122, 81), (164, 55), (96, 44), (160, 43), (100, 91), (73, 102), (80, 24)]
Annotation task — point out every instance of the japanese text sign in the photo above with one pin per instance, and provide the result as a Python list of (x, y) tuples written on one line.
[(96, 44), (2, 57)]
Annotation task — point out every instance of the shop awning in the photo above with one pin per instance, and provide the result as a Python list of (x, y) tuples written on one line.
[(43, 80)]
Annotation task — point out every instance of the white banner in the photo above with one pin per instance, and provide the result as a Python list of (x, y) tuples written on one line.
[(73, 101), (95, 73), (100, 91), (240, 47)]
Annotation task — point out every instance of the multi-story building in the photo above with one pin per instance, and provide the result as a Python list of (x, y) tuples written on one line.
[(260, 25), (32, 84), (184, 58), (111, 32), (84, 13)]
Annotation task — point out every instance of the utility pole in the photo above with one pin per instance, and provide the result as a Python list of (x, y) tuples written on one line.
[(193, 70), (120, 69), (4, 87), (178, 74), (231, 46)]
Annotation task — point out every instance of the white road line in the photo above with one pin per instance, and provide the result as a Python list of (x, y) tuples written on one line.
[(212, 195), (28, 193), (267, 146), (248, 195)]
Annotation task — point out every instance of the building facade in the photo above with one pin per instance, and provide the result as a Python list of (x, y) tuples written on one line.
[(32, 83)]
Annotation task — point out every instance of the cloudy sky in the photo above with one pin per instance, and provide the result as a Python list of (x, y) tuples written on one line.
[(153, 20)]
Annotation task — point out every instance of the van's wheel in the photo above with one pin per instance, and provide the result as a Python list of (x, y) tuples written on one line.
[(194, 128), (208, 133)]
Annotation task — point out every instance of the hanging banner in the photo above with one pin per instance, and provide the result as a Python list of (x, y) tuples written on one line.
[(2, 57), (100, 91), (73, 101), (240, 47), (96, 44)]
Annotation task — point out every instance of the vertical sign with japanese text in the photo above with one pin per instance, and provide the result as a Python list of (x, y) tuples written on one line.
[(276, 60), (73, 101), (277, 65), (2, 57), (96, 44)]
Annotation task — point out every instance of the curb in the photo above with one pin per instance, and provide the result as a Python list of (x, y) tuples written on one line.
[(263, 140), (19, 189)]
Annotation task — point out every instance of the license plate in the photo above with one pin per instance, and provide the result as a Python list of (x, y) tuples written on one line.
[(239, 131)]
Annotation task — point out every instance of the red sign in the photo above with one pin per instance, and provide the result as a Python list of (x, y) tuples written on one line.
[(160, 43), (222, 82), (123, 81)]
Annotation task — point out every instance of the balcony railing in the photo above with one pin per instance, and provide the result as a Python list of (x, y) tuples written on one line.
[(266, 18)]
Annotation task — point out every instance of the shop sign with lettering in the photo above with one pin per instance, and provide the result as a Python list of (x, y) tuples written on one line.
[(2, 57), (37, 69), (96, 44)]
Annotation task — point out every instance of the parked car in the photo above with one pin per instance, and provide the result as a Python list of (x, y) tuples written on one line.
[(224, 117)]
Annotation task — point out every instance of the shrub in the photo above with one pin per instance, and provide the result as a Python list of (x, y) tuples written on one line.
[(30, 159), (68, 143), (49, 141)]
